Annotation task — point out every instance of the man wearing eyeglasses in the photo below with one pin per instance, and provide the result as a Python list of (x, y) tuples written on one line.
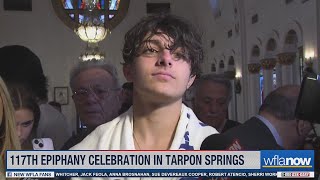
[(95, 94), (212, 94)]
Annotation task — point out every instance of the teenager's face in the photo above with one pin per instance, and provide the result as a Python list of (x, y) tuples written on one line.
[(160, 74), (24, 123)]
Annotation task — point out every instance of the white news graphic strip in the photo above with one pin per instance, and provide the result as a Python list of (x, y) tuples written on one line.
[(293, 174), (50, 160), (30, 174)]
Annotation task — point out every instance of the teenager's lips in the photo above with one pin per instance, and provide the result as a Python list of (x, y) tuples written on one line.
[(163, 74)]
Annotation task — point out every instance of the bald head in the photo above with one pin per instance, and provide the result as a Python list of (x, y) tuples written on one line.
[(288, 91), (281, 103)]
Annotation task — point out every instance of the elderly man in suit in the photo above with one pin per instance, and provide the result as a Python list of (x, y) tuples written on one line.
[(212, 94), (275, 126)]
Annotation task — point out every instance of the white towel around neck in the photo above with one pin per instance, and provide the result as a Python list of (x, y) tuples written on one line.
[(118, 135)]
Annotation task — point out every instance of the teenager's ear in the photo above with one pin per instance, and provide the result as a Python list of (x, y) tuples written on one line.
[(127, 72), (191, 80)]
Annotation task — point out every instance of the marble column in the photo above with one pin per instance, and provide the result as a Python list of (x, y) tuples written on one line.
[(286, 60), (278, 75), (254, 88), (267, 66)]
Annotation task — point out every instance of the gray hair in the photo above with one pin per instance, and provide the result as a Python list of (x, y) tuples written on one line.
[(215, 78), (280, 103), (82, 66)]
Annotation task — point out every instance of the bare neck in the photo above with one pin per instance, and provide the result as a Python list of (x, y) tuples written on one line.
[(154, 124)]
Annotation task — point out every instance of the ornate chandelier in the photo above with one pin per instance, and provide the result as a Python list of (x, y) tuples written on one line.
[(92, 31), (91, 53)]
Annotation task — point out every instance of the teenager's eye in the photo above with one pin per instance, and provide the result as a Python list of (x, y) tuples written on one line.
[(150, 51), (179, 56)]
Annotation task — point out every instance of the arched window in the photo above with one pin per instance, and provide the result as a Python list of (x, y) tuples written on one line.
[(291, 37), (71, 12), (221, 65), (271, 45), (213, 67), (231, 63), (255, 52)]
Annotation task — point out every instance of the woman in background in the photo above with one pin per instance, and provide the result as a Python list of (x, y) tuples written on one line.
[(8, 137), (27, 114), (30, 73)]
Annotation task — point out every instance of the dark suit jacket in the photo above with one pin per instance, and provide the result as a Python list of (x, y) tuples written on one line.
[(74, 139), (229, 124), (253, 135)]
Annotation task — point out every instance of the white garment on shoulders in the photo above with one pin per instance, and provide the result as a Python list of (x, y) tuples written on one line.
[(53, 125), (118, 135)]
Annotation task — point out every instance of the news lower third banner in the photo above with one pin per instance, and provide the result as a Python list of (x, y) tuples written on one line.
[(48, 164)]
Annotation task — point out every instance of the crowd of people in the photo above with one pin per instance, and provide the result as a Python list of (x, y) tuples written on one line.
[(162, 56)]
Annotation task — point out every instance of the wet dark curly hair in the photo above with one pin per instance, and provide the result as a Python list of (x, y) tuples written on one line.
[(183, 34)]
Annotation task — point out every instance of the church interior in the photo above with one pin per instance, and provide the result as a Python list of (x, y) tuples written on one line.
[(259, 45)]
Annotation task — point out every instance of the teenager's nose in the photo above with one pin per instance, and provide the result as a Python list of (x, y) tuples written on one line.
[(165, 58)]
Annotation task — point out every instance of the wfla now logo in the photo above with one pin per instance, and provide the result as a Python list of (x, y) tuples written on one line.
[(286, 162)]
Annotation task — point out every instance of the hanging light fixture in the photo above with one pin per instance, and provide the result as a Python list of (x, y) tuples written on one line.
[(92, 30), (91, 53), (92, 33)]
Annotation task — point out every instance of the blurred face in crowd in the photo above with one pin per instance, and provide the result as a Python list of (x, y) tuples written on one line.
[(210, 104), (95, 97), (158, 73), (24, 123)]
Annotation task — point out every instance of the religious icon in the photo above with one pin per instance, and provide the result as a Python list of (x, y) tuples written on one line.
[(61, 95)]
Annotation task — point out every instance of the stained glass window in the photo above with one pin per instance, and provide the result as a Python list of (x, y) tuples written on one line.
[(67, 4), (274, 78), (113, 4), (261, 87), (72, 16), (71, 12), (301, 62)]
